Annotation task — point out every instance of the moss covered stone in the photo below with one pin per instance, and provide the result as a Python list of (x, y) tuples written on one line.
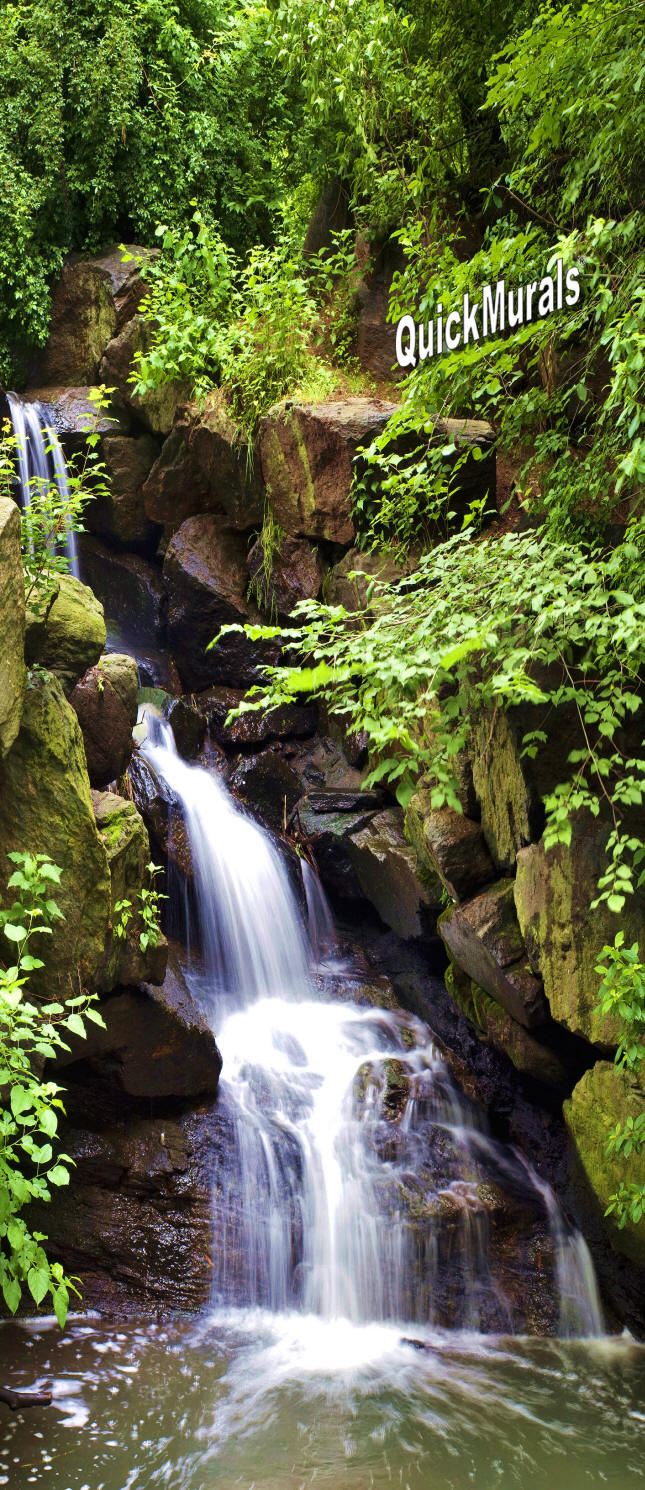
[(564, 937), (484, 939), (505, 793), (67, 634), (12, 625), (46, 807), (125, 836), (386, 869), (604, 1097), (450, 849), (496, 1027)]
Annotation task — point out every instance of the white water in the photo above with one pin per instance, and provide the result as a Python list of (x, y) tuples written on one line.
[(356, 1189), (41, 462)]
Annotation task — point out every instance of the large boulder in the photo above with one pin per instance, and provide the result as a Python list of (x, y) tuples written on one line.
[(450, 847), (92, 301), (294, 571), (386, 869), (205, 465), (157, 408), (130, 589), (564, 937), (268, 786), (156, 1043), (484, 939), (495, 1026), (607, 1096), (65, 631), (307, 453), (161, 812), (72, 413), (123, 832), (509, 783), (329, 836), (105, 702), (255, 728), (13, 676), (46, 807), (120, 515), (205, 571)]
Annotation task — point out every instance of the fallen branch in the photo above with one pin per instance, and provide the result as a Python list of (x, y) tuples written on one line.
[(17, 1400)]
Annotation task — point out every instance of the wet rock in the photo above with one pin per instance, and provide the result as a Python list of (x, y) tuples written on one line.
[(607, 1096), (451, 848), (130, 589), (105, 703), (65, 630), (123, 832), (72, 413), (161, 813), (348, 580), (92, 300), (253, 729), (187, 724), (157, 408), (484, 939), (156, 1042), (46, 807), (495, 1025), (120, 517), (296, 573), (13, 677), (268, 786), (564, 937), (205, 570), (205, 466), (329, 835), (386, 870), (140, 1229), (307, 453)]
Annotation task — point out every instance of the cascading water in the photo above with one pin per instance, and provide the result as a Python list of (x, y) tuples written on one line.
[(41, 462), (362, 1182)]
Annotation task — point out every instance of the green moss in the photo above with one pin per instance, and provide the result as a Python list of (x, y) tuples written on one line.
[(606, 1096)]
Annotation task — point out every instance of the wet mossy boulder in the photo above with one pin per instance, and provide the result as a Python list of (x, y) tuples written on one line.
[(604, 1097), (484, 939), (564, 937), (92, 301), (13, 676), (307, 453), (119, 515), (46, 807), (450, 848), (386, 869), (495, 1026), (123, 832), (105, 702), (510, 784), (206, 465), (65, 630)]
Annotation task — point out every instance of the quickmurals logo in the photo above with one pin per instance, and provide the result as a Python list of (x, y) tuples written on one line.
[(501, 310)]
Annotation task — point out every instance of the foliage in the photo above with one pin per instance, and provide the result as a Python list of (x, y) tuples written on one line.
[(31, 1026), (149, 909), (622, 992), (261, 586), (114, 118)]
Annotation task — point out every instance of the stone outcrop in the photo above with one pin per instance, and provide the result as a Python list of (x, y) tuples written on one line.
[(205, 571), (105, 702), (65, 630), (13, 676), (205, 466), (46, 807), (161, 813), (307, 453), (120, 516), (495, 1026), (124, 835), (289, 721), (296, 572), (607, 1096), (72, 413), (509, 785), (268, 786), (564, 937), (130, 589), (484, 939), (93, 300), (451, 848), (156, 409), (386, 870)]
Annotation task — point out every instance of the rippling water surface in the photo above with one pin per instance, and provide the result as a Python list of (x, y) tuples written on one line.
[(264, 1402)]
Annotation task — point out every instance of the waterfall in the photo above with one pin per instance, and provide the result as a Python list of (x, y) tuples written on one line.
[(41, 462), (361, 1180)]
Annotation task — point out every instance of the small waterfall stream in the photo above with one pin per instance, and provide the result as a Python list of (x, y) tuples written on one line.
[(41, 462), (360, 1187)]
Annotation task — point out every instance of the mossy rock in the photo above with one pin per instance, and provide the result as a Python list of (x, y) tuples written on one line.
[(386, 868), (604, 1097), (505, 793), (496, 1027), (65, 634), (46, 807), (13, 676), (564, 937), (125, 836)]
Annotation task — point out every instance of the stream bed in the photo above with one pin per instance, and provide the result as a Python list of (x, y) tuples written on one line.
[(256, 1401)]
